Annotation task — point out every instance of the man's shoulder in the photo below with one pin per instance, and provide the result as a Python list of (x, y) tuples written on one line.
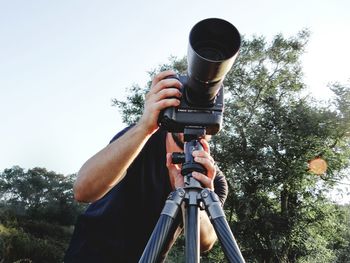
[(121, 133), (158, 135)]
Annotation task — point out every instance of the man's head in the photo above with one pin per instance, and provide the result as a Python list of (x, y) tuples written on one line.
[(179, 139)]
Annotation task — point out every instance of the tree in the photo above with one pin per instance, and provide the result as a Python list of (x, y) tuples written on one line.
[(343, 250), (277, 208), (39, 194), (37, 210)]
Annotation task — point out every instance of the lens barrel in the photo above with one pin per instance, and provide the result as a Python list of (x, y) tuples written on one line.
[(213, 47)]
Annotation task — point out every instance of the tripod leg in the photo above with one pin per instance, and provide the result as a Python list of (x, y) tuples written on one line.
[(222, 229), (192, 229), (162, 232)]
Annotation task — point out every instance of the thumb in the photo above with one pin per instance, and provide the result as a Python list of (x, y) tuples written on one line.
[(169, 162)]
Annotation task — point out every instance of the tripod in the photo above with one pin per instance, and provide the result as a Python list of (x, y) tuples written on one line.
[(193, 195)]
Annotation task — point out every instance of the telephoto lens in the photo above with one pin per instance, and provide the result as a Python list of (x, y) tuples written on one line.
[(213, 47)]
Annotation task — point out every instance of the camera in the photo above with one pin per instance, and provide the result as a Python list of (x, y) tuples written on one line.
[(213, 47)]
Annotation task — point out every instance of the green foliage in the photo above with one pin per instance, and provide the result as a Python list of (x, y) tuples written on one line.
[(176, 254), (342, 248), (19, 244), (215, 255), (277, 208), (270, 133), (39, 194), (36, 213)]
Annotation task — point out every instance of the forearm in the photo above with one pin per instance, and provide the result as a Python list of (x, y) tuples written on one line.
[(207, 235), (108, 167), (207, 232)]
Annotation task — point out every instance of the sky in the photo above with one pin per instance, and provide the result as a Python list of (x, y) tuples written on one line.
[(62, 62)]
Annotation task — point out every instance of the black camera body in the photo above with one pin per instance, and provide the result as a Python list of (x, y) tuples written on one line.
[(212, 50), (176, 119)]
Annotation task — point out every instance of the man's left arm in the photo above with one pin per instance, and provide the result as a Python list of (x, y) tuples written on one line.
[(206, 232)]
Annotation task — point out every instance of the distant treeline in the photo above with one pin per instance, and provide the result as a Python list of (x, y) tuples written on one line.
[(37, 214)]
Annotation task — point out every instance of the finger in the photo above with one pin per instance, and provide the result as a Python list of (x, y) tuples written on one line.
[(164, 84), (167, 93), (161, 76), (203, 154), (205, 145), (168, 160), (207, 163), (204, 180), (160, 105)]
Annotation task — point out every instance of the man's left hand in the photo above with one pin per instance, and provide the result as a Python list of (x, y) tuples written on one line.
[(202, 157)]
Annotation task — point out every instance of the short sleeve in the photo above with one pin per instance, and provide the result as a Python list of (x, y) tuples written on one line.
[(220, 186), (121, 133)]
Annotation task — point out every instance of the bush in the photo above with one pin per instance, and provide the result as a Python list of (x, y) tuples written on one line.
[(18, 244)]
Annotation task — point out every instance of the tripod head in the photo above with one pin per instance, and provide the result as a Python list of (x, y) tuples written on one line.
[(192, 137)]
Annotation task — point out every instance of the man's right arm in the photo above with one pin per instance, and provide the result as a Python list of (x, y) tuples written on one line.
[(109, 166)]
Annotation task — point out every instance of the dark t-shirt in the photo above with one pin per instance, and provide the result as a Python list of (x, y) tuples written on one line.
[(116, 227)]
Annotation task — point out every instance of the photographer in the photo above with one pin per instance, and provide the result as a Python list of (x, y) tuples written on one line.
[(128, 181)]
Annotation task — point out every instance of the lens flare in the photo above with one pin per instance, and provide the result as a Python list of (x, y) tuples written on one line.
[(318, 166)]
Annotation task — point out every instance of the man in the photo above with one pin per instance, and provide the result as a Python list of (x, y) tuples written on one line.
[(128, 182)]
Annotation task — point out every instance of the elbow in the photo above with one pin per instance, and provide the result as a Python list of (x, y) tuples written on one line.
[(79, 191), (86, 189), (207, 246)]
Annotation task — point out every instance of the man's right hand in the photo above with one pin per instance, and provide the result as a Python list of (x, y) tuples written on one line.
[(108, 167), (164, 93)]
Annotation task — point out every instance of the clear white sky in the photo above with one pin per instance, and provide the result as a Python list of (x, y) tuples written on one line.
[(61, 63)]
